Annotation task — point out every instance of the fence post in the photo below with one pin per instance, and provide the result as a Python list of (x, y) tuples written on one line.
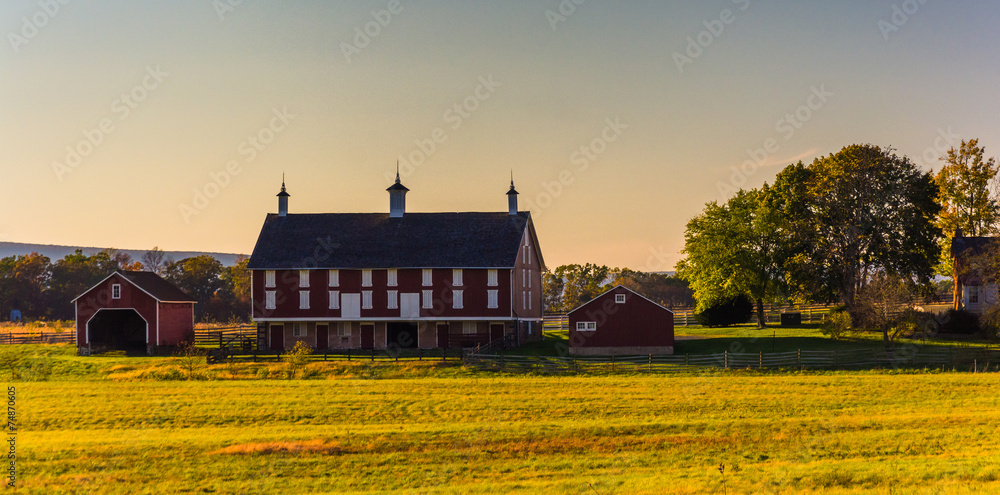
[(725, 359), (220, 339), (760, 360), (373, 355), (650, 367), (799, 358)]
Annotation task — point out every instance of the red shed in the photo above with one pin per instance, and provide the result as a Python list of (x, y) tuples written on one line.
[(132, 311), (621, 321)]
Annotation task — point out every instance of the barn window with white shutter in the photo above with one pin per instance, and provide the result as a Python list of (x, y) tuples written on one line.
[(334, 299), (427, 299), (269, 298), (269, 278), (586, 326), (392, 277), (299, 329), (303, 299), (366, 299), (334, 276), (620, 298), (366, 278), (491, 278), (492, 299), (303, 278), (456, 277), (427, 274), (393, 299), (457, 299), (116, 291)]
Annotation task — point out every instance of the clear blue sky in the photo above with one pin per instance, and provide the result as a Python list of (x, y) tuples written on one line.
[(266, 87)]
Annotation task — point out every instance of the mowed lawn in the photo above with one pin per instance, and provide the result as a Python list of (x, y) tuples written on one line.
[(483, 433)]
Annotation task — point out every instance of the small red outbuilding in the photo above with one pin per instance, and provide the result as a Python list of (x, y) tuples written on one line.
[(620, 321), (132, 311)]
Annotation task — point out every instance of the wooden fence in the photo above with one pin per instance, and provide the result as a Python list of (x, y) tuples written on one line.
[(962, 359), (41, 337), (242, 336), (370, 355)]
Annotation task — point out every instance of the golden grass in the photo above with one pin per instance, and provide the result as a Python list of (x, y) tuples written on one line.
[(322, 447), (839, 433)]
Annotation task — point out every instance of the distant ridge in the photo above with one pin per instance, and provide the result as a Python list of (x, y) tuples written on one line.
[(55, 252)]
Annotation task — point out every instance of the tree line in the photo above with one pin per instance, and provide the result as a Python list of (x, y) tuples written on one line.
[(863, 227), (43, 289), (569, 286)]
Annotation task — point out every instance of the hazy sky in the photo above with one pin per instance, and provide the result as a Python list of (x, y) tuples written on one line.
[(619, 119)]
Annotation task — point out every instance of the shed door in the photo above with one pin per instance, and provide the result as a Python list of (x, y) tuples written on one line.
[(367, 336), (277, 337), (322, 336)]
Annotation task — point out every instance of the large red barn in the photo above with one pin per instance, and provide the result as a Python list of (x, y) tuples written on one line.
[(620, 321), (132, 311), (397, 280)]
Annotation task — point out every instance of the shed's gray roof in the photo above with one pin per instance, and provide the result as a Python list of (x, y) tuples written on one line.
[(156, 286), (373, 240)]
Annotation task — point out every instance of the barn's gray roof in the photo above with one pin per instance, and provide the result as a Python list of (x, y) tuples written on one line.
[(373, 240)]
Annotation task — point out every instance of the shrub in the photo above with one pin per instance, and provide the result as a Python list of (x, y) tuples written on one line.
[(990, 322), (837, 324), (731, 312), (296, 358), (960, 322)]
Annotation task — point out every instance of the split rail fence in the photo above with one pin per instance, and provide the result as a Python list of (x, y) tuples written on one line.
[(961, 359), (41, 337)]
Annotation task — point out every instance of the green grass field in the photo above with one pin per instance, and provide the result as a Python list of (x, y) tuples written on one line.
[(95, 427)]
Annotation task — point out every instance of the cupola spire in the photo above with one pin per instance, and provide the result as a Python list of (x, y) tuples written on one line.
[(397, 197), (512, 196), (283, 198)]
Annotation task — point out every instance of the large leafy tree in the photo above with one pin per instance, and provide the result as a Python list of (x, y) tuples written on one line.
[(966, 199), (868, 211), (736, 248), (968, 204)]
